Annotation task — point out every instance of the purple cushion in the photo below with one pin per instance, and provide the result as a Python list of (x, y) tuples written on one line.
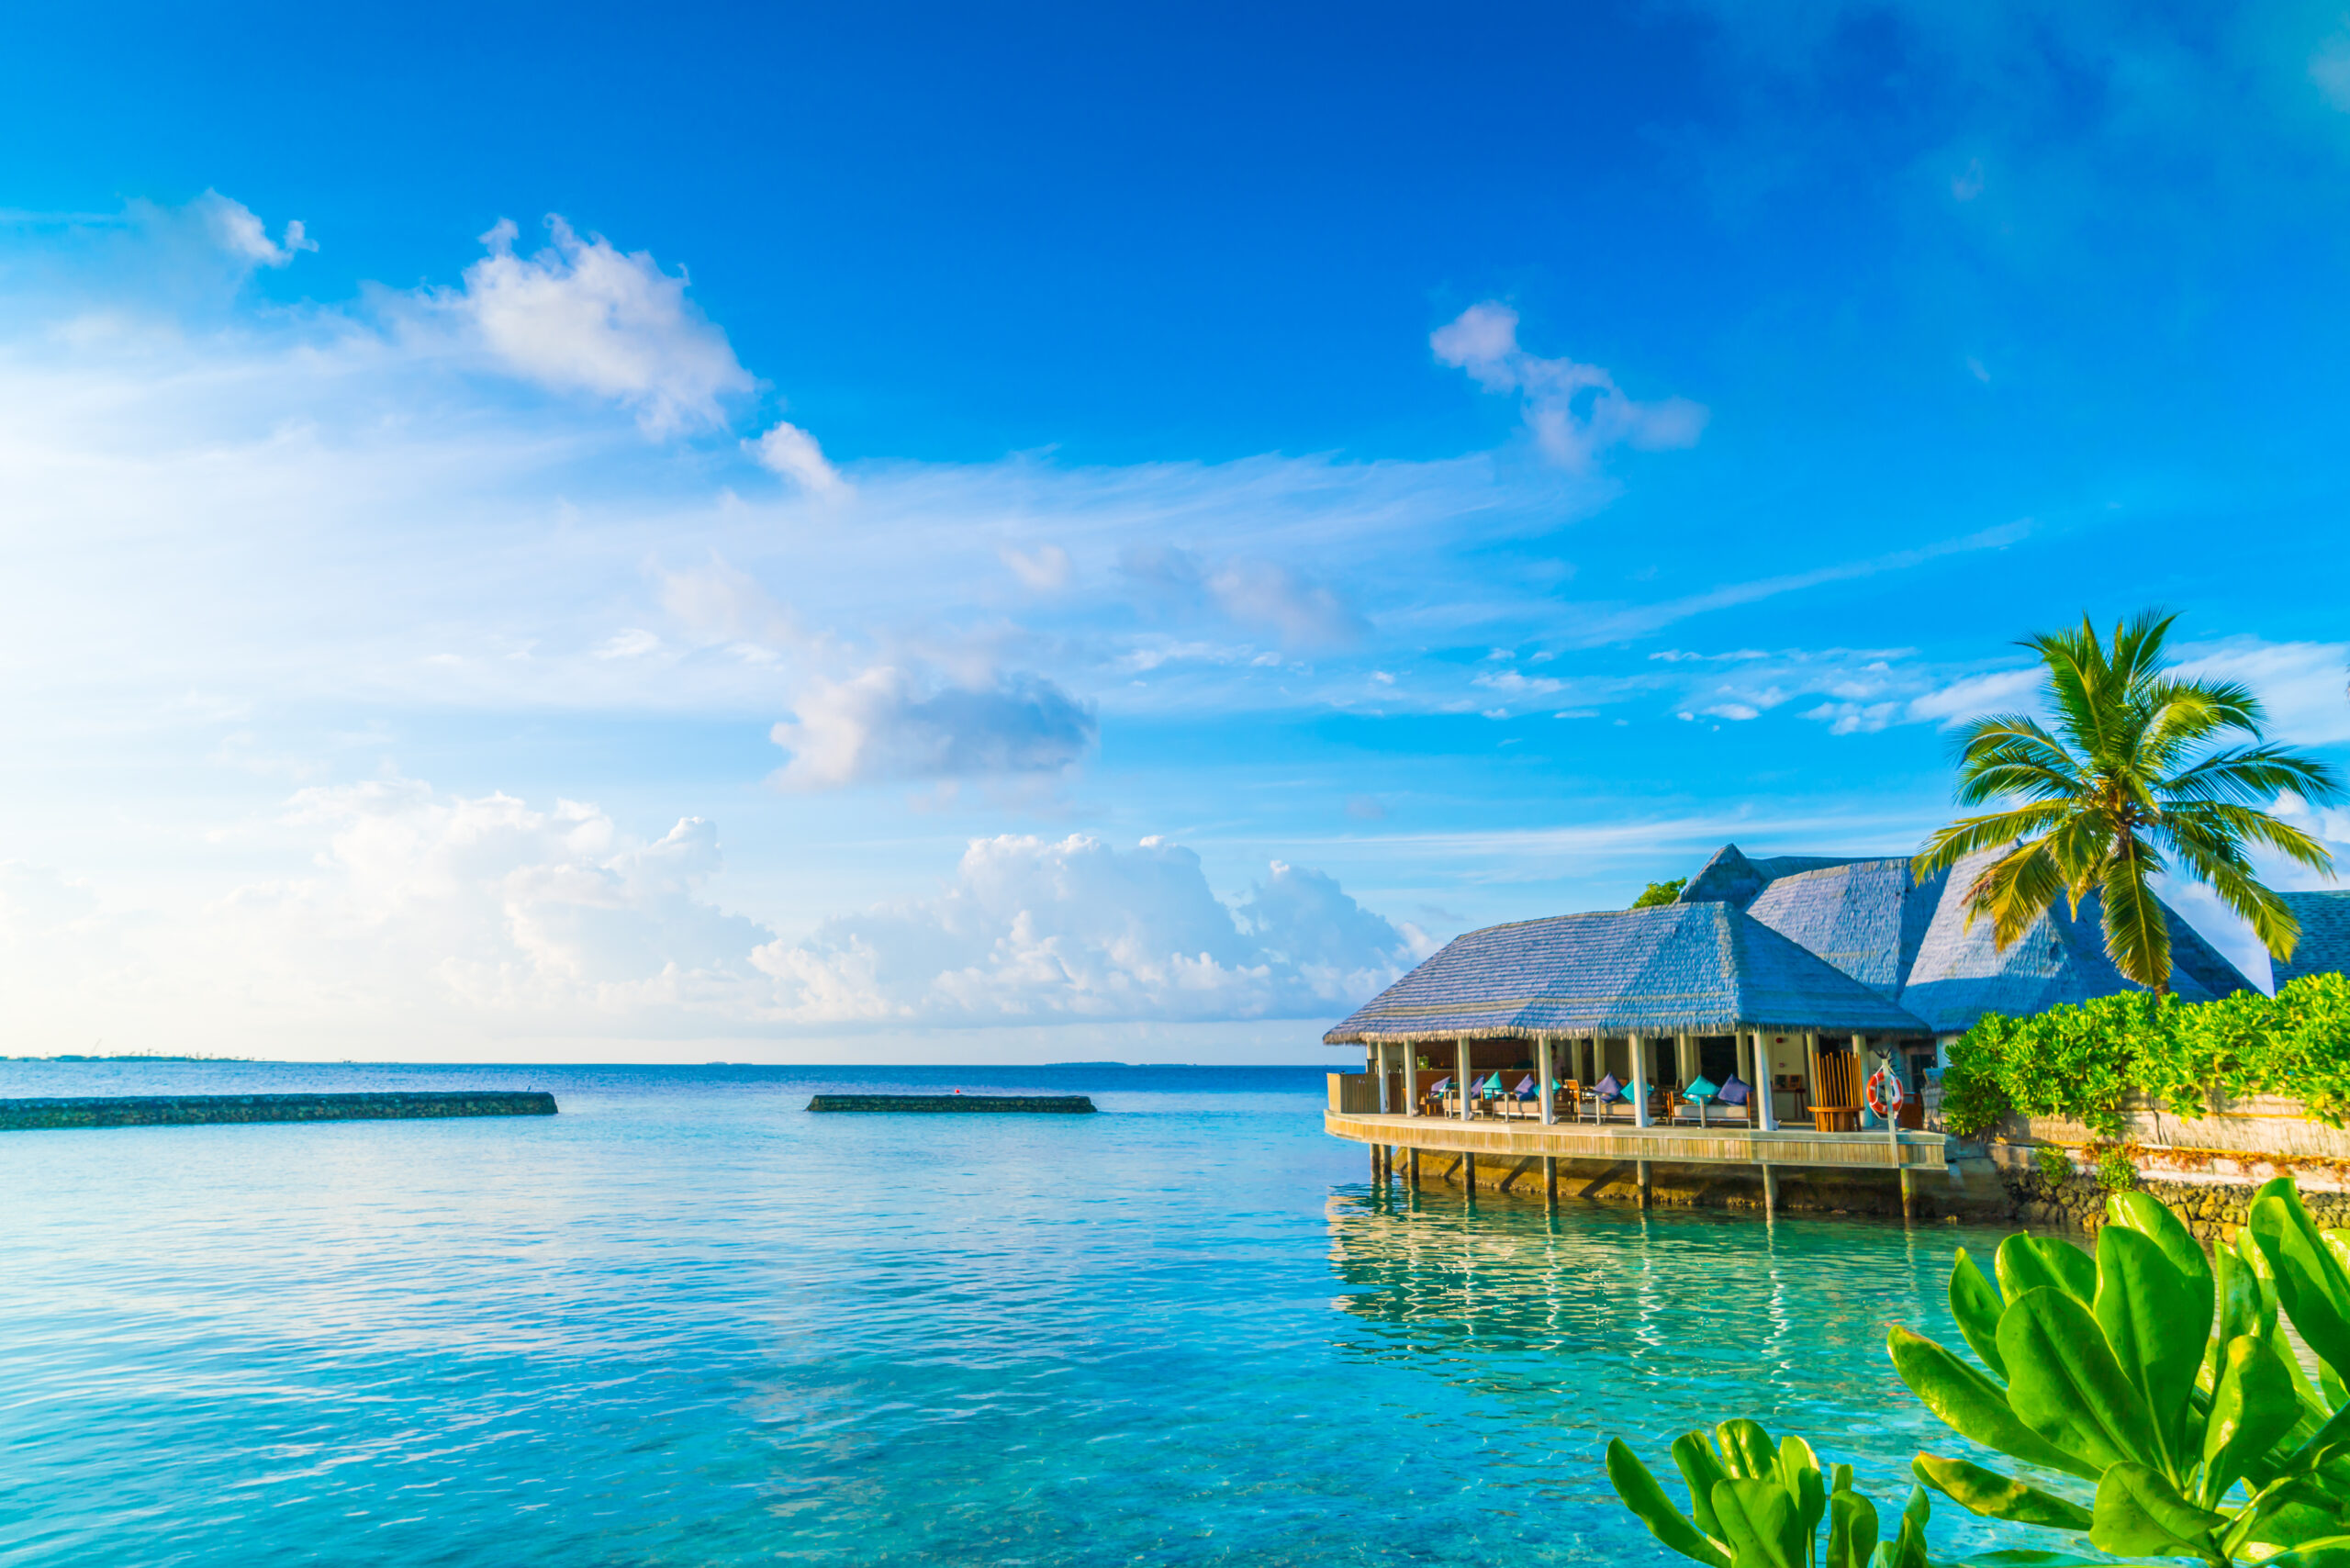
[(1525, 1089), (1736, 1090), (1608, 1088)]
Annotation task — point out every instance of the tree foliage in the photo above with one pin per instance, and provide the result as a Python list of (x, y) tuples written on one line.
[(2079, 1062), (2139, 773), (1657, 894)]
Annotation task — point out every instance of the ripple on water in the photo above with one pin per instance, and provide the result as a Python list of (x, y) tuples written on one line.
[(683, 1322)]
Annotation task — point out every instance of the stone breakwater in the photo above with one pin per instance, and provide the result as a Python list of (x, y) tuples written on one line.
[(1065, 1105), (177, 1110), (2213, 1212)]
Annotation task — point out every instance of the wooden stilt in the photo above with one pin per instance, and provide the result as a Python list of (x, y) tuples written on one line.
[(1642, 1168), (1909, 1196), (1412, 1169), (1770, 1190), (1551, 1180), (1469, 1171)]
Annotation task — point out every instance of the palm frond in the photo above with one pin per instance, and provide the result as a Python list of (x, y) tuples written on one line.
[(2220, 864), (2137, 937), (1949, 845), (2255, 773), (2015, 891)]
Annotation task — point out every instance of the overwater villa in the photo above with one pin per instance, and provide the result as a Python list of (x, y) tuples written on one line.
[(1718, 1040)]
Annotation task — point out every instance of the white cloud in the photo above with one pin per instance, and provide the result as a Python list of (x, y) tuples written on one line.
[(1035, 930), (1576, 411), (1999, 692), (580, 315), (2330, 68), (2304, 686), (1044, 569), (1249, 591), (633, 642), (791, 451), (235, 229), (721, 603), (885, 724)]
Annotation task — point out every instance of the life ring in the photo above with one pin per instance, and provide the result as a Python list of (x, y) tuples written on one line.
[(1883, 1093)]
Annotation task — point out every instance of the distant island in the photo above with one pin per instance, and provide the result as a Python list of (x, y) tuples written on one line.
[(129, 1056)]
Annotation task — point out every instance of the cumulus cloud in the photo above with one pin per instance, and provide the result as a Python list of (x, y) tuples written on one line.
[(1574, 411), (580, 315), (1257, 594), (885, 724), (789, 451), (1032, 930), (1042, 570)]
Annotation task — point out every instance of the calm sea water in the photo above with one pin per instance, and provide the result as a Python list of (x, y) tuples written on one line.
[(685, 1322)]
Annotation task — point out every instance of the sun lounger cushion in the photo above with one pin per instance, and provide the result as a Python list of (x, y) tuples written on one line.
[(1525, 1090), (1608, 1088), (1735, 1090), (1441, 1086), (1701, 1088)]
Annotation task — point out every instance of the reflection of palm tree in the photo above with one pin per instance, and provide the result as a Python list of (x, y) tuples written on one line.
[(2130, 781)]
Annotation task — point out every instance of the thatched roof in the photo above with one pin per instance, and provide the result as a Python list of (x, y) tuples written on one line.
[(1700, 968), (1794, 942), (2325, 935)]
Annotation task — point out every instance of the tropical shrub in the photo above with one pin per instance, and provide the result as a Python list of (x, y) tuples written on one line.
[(2080, 1061), (2115, 1172), (2055, 1165), (2162, 1376)]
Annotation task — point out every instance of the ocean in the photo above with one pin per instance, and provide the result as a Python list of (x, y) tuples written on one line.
[(687, 1322)]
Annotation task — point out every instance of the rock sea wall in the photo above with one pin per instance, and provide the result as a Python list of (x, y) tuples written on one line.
[(179, 1110)]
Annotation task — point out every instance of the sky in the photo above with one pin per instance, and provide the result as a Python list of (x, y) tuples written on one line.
[(1074, 534)]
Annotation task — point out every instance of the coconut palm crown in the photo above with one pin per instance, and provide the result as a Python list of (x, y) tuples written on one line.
[(2131, 778)]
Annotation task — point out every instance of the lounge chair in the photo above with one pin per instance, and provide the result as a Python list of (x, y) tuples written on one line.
[(1520, 1100), (1715, 1104), (1432, 1102)]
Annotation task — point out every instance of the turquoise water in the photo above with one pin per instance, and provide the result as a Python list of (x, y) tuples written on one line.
[(685, 1322)]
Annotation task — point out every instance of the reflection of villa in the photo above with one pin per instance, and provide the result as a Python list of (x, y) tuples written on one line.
[(1735, 1026)]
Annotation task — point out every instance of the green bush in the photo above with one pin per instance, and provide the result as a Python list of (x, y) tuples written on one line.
[(2055, 1165), (2115, 1171), (2079, 1062)]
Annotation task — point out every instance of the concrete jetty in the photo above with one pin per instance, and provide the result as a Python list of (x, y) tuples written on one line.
[(1063, 1104), (176, 1110)]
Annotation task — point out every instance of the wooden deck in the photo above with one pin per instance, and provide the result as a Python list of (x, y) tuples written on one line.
[(1622, 1141)]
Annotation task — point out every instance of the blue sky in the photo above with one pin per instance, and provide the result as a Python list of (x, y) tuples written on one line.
[(1058, 534)]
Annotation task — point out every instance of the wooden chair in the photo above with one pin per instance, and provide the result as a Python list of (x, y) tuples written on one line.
[(1836, 1091)]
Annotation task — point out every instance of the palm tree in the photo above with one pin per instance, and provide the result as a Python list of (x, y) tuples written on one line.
[(2131, 780)]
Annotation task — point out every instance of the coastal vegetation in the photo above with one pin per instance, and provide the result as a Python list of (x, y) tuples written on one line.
[(2131, 779), (1657, 894), (2163, 1378), (2081, 1062)]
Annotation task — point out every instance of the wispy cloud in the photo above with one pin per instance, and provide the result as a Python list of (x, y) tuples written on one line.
[(1574, 411)]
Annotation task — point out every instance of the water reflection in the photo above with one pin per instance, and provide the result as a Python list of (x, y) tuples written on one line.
[(1597, 1321)]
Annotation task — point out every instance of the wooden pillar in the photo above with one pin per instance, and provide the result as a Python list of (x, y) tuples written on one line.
[(1469, 1174), (1766, 1115), (1908, 1193), (1375, 1154), (1412, 1169), (1641, 1169), (1551, 1180), (1684, 1057), (1379, 1066), (1542, 1061), (1462, 1076), (1640, 1093), (1769, 1189)]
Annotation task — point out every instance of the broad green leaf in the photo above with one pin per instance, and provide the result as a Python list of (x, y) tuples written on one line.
[(2263, 1278), (2313, 1404), (2158, 1319), (1748, 1453), (2296, 1513), (2253, 1408), (2144, 1213), (2027, 1262), (2023, 1558), (1974, 1302), (2333, 1552), (1700, 1467), (1974, 1407), (2065, 1384), (1998, 1497), (1908, 1550), (1851, 1530), (1800, 1473), (2239, 1295), (2330, 1386), (1760, 1524), (2312, 1285), (1654, 1508), (2137, 1511)]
